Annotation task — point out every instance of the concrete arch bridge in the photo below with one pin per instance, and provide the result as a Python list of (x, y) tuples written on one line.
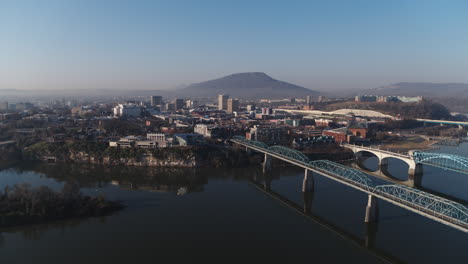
[(415, 161)]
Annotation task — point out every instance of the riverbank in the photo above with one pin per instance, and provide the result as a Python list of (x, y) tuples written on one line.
[(190, 156), (407, 143)]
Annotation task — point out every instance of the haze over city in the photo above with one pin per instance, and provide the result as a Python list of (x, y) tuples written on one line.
[(319, 45)]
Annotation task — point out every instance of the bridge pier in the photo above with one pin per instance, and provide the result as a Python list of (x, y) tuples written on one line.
[(308, 190), (308, 200), (415, 174), (267, 163), (308, 181), (372, 210), (383, 165), (370, 234), (248, 150), (267, 179)]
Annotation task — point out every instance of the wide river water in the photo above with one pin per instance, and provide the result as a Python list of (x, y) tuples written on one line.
[(217, 214)]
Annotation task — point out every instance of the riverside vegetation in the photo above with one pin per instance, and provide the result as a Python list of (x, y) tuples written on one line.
[(22, 204), (100, 153)]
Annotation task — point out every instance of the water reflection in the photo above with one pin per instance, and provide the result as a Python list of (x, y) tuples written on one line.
[(37, 231), (173, 180), (221, 205), (367, 243)]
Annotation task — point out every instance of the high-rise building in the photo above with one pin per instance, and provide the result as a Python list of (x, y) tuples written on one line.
[(267, 111), (191, 104), (156, 100), (232, 105), (170, 107), (222, 102), (251, 107), (321, 99), (179, 104), (3, 105), (309, 100)]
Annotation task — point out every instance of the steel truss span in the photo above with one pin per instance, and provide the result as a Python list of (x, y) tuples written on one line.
[(343, 171), (251, 142), (435, 205), (442, 160), (289, 153)]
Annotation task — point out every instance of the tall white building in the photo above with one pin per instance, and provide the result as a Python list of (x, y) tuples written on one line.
[(222, 102)]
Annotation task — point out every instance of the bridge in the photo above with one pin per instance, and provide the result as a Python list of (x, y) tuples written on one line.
[(443, 122), (415, 160), (414, 168), (433, 207)]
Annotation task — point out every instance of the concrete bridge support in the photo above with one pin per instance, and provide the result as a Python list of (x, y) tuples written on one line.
[(372, 210), (267, 163), (248, 150), (383, 164), (267, 179), (370, 234), (415, 174), (308, 190), (308, 181)]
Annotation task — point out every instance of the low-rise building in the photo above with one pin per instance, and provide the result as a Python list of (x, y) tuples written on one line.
[(188, 139), (128, 110), (160, 139), (208, 131), (365, 98), (323, 122), (267, 134)]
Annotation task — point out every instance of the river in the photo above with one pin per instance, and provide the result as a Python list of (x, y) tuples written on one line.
[(211, 214)]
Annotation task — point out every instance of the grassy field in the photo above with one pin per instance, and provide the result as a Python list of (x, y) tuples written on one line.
[(406, 143)]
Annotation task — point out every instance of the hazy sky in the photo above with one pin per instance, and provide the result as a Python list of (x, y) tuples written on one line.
[(162, 44)]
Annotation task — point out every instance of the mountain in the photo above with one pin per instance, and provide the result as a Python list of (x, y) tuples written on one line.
[(420, 88), (247, 85)]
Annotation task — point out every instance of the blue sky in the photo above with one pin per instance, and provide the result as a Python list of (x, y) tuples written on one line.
[(89, 44)]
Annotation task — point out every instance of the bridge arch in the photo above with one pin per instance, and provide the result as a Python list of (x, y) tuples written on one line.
[(288, 152), (382, 156), (363, 158), (442, 160)]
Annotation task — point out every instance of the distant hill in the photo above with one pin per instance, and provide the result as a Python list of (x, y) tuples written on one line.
[(247, 85), (420, 88)]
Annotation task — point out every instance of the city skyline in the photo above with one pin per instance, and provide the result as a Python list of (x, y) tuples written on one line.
[(164, 44)]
